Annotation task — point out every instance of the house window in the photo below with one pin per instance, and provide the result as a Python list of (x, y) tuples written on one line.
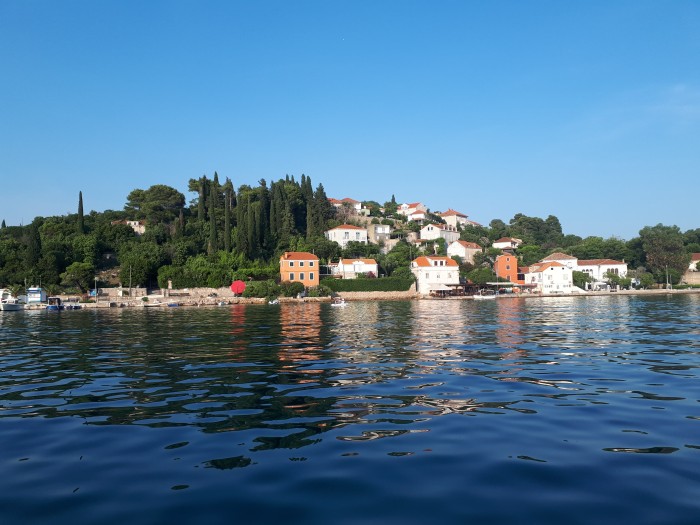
[(301, 276), (311, 276), (311, 263), (301, 263), (347, 235), (291, 276), (291, 263)]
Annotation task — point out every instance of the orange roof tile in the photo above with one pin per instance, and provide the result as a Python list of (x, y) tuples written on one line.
[(597, 262), (347, 227), (427, 261), (299, 256), (558, 256)]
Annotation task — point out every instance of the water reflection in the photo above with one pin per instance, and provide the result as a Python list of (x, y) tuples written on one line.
[(285, 376)]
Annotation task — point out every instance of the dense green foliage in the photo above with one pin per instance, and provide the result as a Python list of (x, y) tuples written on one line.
[(223, 235), (389, 284)]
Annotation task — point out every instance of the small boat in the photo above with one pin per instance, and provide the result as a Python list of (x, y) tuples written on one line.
[(483, 295), (152, 304), (339, 302), (10, 305), (55, 304), (274, 301)]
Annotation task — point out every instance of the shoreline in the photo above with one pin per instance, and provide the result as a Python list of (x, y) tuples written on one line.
[(200, 300)]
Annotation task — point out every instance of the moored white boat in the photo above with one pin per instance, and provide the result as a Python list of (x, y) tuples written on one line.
[(8, 302), (483, 295), (10, 305)]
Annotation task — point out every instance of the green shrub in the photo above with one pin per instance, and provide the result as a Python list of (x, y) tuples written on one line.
[(288, 289), (386, 284), (261, 289)]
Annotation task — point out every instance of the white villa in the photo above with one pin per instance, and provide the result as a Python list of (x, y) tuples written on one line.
[(594, 268), (139, 227), (507, 243), (435, 273), (597, 268), (562, 258), (550, 278), (351, 268), (352, 203), (346, 233), (430, 232), (464, 250), (455, 219), (414, 211)]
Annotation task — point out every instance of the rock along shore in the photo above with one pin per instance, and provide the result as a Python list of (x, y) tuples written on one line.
[(218, 297)]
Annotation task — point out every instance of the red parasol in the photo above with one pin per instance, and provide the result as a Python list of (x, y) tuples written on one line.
[(237, 287)]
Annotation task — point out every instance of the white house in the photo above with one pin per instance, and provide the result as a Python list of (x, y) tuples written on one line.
[(435, 273), (464, 250), (352, 203), (377, 233), (430, 232), (507, 243), (597, 268), (350, 268), (139, 227), (550, 278), (455, 219), (567, 260), (346, 233), (412, 207), (694, 265)]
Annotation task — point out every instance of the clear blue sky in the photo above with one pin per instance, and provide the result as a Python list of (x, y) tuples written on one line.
[(589, 111)]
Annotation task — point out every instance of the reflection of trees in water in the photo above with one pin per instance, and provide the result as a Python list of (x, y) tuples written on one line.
[(283, 376)]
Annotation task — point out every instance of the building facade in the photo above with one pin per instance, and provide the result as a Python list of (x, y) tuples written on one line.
[(435, 273), (346, 233), (299, 267)]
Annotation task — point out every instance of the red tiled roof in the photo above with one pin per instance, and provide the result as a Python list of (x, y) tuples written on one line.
[(299, 256), (425, 260), (598, 262), (347, 227), (471, 245), (365, 261), (549, 265), (695, 257), (559, 257), (451, 212)]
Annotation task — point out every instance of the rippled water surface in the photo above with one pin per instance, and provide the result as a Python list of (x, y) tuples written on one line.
[(567, 410)]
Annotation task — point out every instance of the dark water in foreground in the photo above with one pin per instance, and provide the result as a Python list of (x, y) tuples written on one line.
[(569, 410)]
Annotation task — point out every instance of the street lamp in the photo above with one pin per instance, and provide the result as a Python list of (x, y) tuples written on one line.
[(95, 289)]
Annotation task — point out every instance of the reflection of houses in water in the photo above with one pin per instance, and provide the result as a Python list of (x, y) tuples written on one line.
[(239, 341), (509, 317), (300, 334)]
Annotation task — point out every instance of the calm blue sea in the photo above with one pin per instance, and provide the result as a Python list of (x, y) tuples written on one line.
[(569, 411)]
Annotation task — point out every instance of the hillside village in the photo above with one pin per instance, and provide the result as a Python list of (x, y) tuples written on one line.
[(439, 274), (286, 233)]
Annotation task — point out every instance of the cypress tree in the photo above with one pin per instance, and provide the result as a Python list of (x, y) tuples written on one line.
[(202, 194), (3, 224), (212, 245), (81, 217), (228, 189)]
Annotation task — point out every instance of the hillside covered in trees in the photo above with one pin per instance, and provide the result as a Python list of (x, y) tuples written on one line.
[(224, 234)]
